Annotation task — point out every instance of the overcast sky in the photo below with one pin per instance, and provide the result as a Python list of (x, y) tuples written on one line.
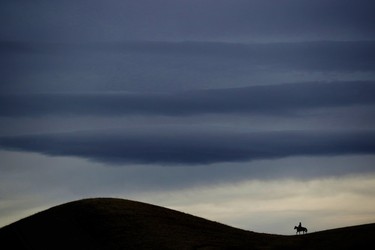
[(258, 114)]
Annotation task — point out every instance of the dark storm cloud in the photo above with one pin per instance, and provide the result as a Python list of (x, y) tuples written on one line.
[(185, 19), (317, 55), (165, 66), (187, 146), (272, 100)]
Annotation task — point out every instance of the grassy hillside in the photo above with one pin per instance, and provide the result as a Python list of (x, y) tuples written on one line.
[(123, 224)]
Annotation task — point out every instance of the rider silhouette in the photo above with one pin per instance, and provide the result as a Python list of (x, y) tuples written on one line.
[(300, 228)]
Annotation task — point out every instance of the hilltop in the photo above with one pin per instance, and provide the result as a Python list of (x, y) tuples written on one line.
[(107, 223)]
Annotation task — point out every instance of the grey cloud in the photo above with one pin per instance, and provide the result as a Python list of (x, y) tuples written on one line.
[(187, 146), (267, 100), (186, 19), (316, 55), (159, 66)]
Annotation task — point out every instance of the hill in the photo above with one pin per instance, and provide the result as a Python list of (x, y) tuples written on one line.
[(107, 223)]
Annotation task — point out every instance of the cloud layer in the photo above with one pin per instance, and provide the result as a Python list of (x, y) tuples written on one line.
[(187, 146), (186, 19), (145, 66), (275, 99)]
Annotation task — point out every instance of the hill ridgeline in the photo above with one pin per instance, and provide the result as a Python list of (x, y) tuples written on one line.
[(108, 223)]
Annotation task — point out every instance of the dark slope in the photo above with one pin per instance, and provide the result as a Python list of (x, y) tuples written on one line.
[(354, 237), (122, 224)]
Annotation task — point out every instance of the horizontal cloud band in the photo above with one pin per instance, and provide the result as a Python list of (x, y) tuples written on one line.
[(178, 146), (323, 55), (271, 99)]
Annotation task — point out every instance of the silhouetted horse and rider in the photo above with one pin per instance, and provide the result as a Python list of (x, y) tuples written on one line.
[(300, 229)]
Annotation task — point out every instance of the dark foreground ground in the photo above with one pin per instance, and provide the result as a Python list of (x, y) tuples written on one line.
[(106, 223)]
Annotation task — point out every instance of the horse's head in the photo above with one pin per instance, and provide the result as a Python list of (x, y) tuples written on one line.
[(295, 227)]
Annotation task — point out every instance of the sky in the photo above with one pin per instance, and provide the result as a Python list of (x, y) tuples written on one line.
[(259, 114)]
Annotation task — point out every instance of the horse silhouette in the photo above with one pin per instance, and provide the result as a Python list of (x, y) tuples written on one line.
[(300, 229)]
